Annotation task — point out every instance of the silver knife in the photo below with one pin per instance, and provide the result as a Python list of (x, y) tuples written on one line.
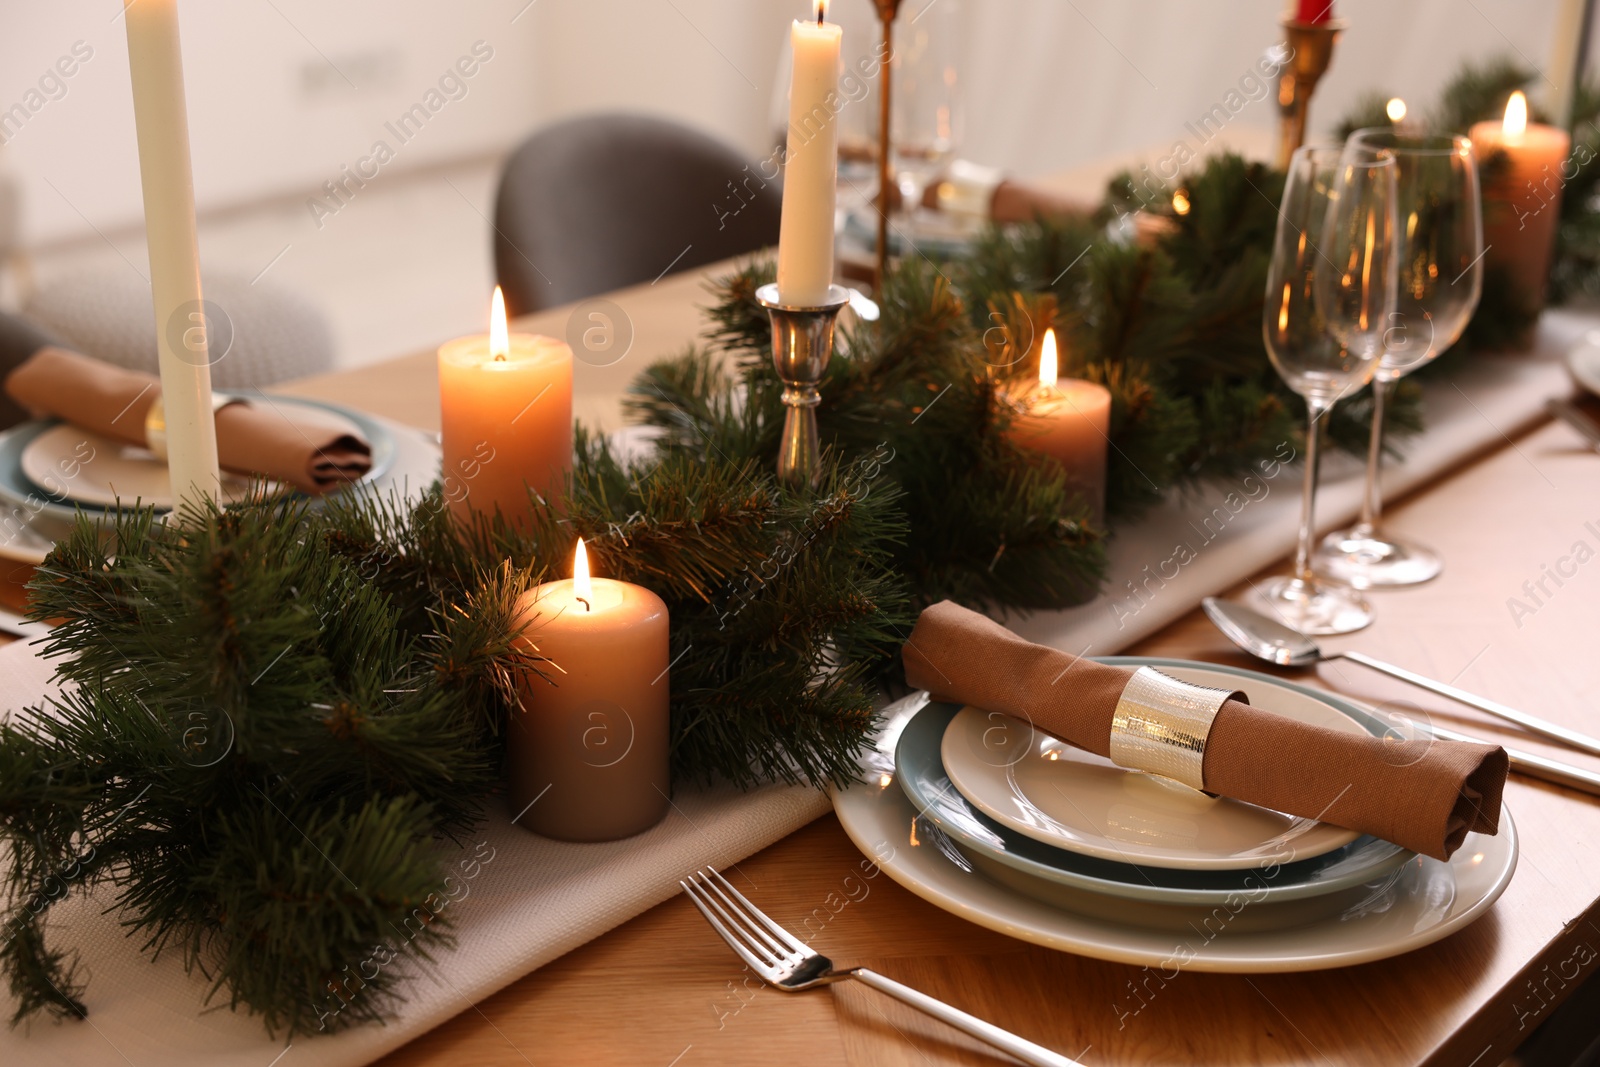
[(1533, 766), (1568, 412)]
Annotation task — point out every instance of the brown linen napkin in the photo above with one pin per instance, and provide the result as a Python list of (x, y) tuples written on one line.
[(1423, 795), (19, 339), (252, 437)]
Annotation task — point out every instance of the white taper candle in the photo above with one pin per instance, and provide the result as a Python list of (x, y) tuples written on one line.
[(811, 165), (162, 118)]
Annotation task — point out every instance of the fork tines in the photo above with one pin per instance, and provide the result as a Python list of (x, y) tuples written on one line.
[(763, 944)]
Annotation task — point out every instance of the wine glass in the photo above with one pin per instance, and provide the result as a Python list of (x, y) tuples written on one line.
[(1330, 294), (1441, 275), (926, 101)]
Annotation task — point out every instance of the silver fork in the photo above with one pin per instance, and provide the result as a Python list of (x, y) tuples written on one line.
[(788, 964)]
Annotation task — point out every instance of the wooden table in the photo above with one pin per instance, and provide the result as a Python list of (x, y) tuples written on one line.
[(663, 990)]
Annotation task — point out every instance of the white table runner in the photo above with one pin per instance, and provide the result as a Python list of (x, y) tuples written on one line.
[(535, 899), (529, 901)]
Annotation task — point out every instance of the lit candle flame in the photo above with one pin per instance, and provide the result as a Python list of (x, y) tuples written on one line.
[(580, 576), (499, 336), (822, 11), (1395, 109), (1516, 120), (1180, 202), (1049, 362)]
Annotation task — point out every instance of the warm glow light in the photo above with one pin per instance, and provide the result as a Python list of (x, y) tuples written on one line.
[(499, 336), (1516, 121), (1395, 109), (1180, 202), (580, 575), (822, 11), (1049, 362)]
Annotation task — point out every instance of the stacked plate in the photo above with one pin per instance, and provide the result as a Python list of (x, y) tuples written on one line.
[(1017, 831), (51, 471)]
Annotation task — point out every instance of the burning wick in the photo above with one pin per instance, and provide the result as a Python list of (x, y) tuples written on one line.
[(1048, 362), (499, 336), (580, 576)]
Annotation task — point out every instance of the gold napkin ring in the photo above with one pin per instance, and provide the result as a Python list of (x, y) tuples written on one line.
[(155, 421), (1161, 725)]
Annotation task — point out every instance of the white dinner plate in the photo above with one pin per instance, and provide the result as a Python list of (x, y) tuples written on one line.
[(1431, 901), (76, 466), (1043, 788), (1583, 360)]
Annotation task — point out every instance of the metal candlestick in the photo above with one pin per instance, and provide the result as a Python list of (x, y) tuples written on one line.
[(1312, 43), (888, 11), (802, 344)]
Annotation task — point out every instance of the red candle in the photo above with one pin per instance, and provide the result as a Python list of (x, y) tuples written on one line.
[(1315, 12)]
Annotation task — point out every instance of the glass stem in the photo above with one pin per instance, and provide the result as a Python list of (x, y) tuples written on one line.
[(1372, 498), (1308, 496)]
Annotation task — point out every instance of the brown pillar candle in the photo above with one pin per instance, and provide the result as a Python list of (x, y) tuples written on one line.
[(1069, 421), (589, 753), (1522, 199)]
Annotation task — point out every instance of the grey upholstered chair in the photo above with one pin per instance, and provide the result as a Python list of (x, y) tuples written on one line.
[(105, 312), (606, 201)]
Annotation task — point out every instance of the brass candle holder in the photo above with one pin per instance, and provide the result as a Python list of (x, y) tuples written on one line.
[(802, 345), (1312, 45), (888, 11)]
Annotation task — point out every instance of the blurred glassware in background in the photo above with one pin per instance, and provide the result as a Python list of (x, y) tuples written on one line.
[(927, 121)]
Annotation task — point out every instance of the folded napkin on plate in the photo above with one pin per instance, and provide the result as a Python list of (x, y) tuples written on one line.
[(252, 438), (1425, 795)]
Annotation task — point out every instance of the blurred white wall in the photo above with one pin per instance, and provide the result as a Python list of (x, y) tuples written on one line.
[(283, 93)]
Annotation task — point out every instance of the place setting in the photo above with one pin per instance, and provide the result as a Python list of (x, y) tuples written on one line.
[(923, 558), (1131, 858)]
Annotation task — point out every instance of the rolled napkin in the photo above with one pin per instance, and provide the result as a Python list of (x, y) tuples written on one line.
[(1425, 795), (251, 438), (19, 340)]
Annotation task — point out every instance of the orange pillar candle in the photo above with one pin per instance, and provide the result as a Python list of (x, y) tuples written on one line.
[(589, 752), (505, 405), (1070, 421), (1522, 202)]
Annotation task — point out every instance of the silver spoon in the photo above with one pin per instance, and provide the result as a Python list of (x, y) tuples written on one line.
[(1274, 642)]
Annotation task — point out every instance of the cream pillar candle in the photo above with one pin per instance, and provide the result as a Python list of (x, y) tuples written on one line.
[(811, 164), (162, 120), (1069, 421), (505, 405), (1522, 202), (589, 752)]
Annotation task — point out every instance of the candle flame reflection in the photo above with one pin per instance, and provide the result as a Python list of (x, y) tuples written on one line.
[(1049, 362), (1516, 120), (499, 336), (580, 576)]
